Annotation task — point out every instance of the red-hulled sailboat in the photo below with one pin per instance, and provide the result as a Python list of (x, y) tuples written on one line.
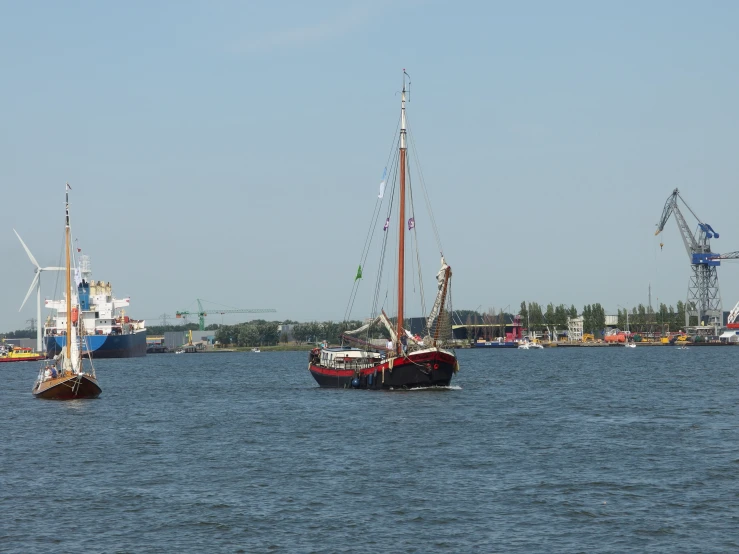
[(402, 360), (66, 378)]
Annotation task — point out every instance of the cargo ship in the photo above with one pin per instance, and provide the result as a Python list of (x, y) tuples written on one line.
[(105, 330)]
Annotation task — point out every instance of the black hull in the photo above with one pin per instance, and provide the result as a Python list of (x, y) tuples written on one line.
[(425, 371)]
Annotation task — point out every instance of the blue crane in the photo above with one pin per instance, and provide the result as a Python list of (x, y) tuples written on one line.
[(704, 297)]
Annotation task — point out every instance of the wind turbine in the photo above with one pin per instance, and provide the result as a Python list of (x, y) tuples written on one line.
[(37, 284)]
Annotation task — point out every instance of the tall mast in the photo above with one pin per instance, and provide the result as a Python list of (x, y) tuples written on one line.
[(69, 279), (401, 223)]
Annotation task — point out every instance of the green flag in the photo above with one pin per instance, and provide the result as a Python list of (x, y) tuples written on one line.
[(359, 272)]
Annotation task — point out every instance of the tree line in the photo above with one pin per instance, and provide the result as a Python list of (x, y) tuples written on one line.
[(641, 319), (263, 333)]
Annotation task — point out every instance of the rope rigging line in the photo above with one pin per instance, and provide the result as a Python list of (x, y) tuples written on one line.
[(383, 251), (417, 249), (370, 234), (363, 258), (424, 189)]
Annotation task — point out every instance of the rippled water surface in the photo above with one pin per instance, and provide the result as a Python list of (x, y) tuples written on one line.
[(560, 450)]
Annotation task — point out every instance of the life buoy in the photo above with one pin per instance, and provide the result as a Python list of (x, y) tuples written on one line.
[(75, 315), (436, 366)]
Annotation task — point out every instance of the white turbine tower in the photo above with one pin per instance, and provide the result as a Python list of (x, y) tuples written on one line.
[(37, 284)]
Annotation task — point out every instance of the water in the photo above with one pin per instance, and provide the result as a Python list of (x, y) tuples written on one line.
[(569, 450)]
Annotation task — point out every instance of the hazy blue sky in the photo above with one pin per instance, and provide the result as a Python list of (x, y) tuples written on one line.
[(232, 150)]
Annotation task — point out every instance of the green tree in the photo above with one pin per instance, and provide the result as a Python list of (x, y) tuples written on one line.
[(679, 321), (536, 316), (300, 333), (524, 313), (248, 335), (560, 316), (587, 316), (270, 333), (225, 335), (641, 320), (549, 315), (599, 318)]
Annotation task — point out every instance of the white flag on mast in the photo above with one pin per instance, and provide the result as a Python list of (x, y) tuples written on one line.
[(382, 183)]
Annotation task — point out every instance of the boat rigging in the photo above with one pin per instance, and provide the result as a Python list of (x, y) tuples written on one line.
[(405, 360)]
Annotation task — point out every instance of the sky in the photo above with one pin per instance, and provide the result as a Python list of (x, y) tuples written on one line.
[(232, 151)]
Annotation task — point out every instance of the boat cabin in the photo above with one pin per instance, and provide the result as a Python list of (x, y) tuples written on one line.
[(349, 358)]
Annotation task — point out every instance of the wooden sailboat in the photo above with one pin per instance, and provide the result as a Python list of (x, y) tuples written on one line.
[(405, 361), (66, 378)]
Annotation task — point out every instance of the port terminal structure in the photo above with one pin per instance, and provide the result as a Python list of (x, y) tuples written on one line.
[(704, 297)]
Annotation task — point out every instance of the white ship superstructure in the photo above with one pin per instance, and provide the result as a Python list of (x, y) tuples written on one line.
[(101, 315)]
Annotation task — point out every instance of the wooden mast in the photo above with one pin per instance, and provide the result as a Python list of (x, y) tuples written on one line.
[(69, 281), (401, 225)]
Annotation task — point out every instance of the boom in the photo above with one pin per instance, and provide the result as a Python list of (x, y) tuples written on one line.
[(203, 313), (694, 245), (729, 256)]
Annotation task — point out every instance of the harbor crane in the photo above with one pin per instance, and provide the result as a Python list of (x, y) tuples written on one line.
[(201, 313), (704, 298)]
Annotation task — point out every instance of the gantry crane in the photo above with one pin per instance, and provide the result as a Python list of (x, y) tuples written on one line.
[(203, 313), (704, 298)]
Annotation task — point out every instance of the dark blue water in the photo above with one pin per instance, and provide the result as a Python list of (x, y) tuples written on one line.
[(569, 450)]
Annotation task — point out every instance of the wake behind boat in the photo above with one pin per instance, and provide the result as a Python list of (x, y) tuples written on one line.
[(404, 360), (66, 378)]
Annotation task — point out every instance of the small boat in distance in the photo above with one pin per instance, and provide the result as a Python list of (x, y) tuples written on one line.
[(529, 345), (66, 378), (256, 350), (499, 342), (402, 360), (12, 353)]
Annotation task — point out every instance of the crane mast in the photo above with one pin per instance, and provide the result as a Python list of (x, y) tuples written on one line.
[(704, 297)]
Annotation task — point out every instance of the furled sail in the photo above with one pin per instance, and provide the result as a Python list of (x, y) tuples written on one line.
[(440, 294), (382, 318)]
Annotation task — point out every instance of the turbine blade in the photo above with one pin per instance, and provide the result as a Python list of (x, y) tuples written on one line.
[(33, 260), (52, 269), (30, 290)]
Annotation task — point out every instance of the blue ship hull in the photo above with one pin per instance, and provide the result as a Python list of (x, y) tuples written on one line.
[(103, 346)]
